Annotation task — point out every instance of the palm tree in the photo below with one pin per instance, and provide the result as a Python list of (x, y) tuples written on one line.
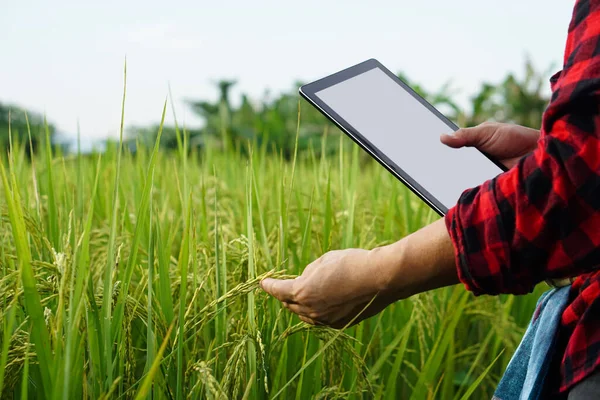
[(516, 101), (217, 115), (525, 100), (442, 98)]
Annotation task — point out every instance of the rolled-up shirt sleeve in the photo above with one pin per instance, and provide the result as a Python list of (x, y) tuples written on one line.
[(541, 219)]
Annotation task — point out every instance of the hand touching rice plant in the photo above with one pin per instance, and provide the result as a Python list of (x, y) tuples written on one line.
[(136, 275)]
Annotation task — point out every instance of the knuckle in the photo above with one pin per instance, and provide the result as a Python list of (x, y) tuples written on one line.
[(323, 258), (296, 289), (491, 125), (302, 298), (316, 315), (376, 250), (330, 254)]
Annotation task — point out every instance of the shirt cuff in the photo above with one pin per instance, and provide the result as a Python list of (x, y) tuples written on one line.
[(454, 227)]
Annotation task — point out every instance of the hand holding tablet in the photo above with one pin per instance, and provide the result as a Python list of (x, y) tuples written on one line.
[(401, 131)]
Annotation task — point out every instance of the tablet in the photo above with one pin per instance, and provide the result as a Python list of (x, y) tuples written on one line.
[(401, 130)]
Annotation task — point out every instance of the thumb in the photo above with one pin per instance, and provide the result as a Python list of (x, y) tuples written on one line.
[(281, 289), (463, 137)]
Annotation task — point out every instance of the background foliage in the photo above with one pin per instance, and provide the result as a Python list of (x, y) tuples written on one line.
[(23, 123), (519, 100), (134, 273)]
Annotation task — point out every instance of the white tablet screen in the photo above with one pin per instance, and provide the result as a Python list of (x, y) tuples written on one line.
[(408, 133)]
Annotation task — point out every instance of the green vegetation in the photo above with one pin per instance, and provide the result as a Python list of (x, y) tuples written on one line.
[(22, 124), (272, 122), (135, 275)]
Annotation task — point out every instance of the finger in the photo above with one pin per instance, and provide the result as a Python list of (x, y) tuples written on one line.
[(453, 140), (303, 315), (473, 137), (349, 320), (310, 320), (281, 289), (298, 309)]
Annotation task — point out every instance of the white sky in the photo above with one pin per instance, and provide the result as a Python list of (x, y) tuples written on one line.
[(65, 57)]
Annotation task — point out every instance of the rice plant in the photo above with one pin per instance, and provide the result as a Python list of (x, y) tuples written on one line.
[(136, 275)]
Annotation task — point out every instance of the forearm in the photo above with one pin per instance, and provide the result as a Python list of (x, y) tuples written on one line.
[(417, 263)]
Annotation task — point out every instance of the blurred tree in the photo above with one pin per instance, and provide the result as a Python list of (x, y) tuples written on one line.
[(18, 126), (516, 101), (441, 99), (273, 122), (524, 100), (146, 135), (217, 115)]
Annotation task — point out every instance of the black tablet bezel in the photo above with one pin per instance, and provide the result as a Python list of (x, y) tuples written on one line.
[(309, 91)]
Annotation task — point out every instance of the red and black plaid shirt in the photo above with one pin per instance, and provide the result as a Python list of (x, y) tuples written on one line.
[(541, 219)]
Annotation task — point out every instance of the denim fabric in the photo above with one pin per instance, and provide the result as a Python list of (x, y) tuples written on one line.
[(527, 370)]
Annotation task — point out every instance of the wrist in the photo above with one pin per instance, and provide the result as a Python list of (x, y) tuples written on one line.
[(389, 262), (417, 263)]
